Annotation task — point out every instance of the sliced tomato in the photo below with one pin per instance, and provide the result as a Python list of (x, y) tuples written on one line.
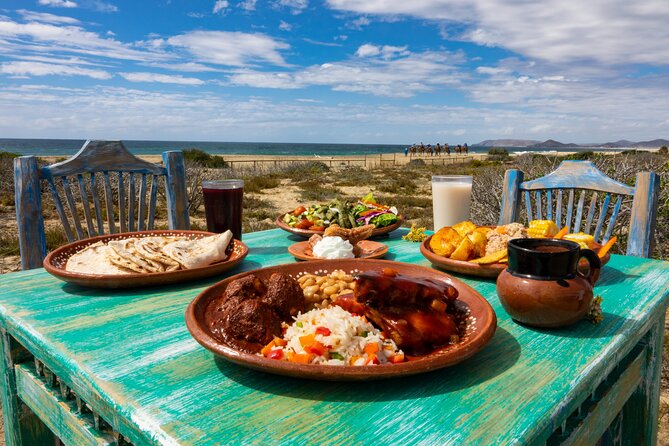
[(304, 224), (299, 211), (317, 228)]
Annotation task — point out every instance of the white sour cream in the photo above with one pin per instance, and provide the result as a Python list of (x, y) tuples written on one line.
[(333, 248)]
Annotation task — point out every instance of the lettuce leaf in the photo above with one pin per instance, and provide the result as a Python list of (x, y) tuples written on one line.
[(369, 198), (384, 220)]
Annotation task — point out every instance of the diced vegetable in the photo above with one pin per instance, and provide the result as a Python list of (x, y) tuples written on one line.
[(607, 246), (325, 331), (335, 355), (371, 348)]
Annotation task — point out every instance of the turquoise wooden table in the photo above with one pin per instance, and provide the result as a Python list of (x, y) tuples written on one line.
[(109, 367)]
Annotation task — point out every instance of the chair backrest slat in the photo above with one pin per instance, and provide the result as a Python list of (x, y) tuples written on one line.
[(537, 202), (549, 204), (579, 211), (570, 208), (152, 204), (528, 206), (109, 201), (558, 209), (591, 212), (603, 210), (131, 202), (108, 163), (69, 198), (86, 205), (141, 216), (612, 219), (97, 205), (60, 209), (121, 204)]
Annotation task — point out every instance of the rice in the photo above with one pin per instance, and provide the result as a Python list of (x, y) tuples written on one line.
[(333, 336)]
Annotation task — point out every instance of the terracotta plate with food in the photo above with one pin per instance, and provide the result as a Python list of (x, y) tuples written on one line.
[(137, 259), (366, 249), (481, 250), (342, 320), (309, 232)]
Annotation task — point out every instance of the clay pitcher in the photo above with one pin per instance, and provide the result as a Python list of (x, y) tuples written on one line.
[(543, 286)]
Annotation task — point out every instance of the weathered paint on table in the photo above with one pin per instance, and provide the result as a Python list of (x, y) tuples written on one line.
[(129, 356)]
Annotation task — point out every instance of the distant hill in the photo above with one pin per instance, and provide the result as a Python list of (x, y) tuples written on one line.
[(506, 142), (552, 144), (625, 143)]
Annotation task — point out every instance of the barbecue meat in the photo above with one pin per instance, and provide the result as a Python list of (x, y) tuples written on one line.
[(284, 295), (412, 311)]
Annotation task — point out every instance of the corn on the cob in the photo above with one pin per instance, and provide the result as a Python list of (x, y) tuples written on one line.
[(585, 240), (542, 228)]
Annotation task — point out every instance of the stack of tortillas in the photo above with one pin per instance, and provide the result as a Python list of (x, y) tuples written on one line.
[(154, 254)]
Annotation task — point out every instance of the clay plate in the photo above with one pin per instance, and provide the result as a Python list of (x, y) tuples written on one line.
[(55, 262), (473, 269), (308, 232), (481, 326), (368, 250)]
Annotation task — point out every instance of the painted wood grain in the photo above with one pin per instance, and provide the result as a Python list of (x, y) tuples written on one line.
[(578, 175), (511, 196), (29, 219), (129, 355), (644, 215), (57, 413), (175, 180)]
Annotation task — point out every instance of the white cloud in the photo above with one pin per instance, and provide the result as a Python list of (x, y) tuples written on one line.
[(38, 111), (231, 48), (220, 6), (385, 51), (195, 15), (558, 31), (101, 6), (58, 3), (46, 37), (161, 78), (188, 67), (45, 17), (295, 6), (402, 77), (358, 23), (27, 69), (248, 5), (285, 26)]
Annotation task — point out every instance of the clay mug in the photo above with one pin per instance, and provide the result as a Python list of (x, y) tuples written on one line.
[(543, 286)]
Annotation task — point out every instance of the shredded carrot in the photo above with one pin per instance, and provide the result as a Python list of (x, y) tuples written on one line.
[(307, 340), (266, 349), (562, 232), (607, 246), (300, 358), (280, 342), (397, 358), (371, 348)]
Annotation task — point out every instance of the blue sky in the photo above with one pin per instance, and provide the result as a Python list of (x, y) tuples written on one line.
[(350, 71)]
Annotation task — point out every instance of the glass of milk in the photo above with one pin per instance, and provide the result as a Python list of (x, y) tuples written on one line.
[(451, 199)]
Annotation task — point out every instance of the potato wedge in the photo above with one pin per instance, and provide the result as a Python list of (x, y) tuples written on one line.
[(445, 241), (464, 251), (479, 240), (483, 230), (493, 257), (464, 228)]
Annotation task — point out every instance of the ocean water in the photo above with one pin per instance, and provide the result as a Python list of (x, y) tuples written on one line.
[(67, 147)]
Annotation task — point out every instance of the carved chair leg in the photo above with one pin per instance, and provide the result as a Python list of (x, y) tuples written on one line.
[(22, 426)]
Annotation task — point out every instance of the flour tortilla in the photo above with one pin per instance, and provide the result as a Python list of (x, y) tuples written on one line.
[(123, 253), (94, 260), (201, 252), (151, 248)]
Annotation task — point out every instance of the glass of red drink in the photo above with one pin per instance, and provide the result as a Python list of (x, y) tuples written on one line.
[(223, 206)]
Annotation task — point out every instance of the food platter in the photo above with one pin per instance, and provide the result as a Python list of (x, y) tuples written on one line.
[(55, 263), (306, 233), (369, 249), (463, 267), (481, 325)]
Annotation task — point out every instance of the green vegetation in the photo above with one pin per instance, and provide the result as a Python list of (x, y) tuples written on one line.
[(203, 158)]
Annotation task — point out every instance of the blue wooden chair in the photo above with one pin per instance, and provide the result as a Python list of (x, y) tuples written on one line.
[(105, 165), (598, 201)]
